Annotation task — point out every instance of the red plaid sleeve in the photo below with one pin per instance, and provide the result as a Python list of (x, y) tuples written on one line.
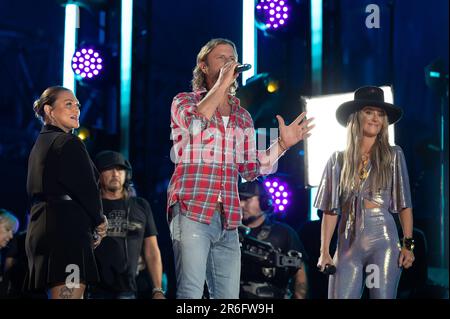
[(184, 112)]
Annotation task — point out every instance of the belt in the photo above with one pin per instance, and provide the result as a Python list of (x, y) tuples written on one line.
[(48, 198)]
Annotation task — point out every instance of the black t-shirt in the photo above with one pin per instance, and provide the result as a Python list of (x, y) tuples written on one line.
[(129, 222), (282, 237)]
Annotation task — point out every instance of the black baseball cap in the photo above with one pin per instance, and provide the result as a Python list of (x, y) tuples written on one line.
[(108, 159), (250, 189)]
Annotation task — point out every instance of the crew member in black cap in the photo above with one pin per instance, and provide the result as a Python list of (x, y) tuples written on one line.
[(260, 280), (366, 184), (131, 229)]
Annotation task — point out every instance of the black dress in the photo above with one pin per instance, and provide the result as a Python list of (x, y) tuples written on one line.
[(66, 208)]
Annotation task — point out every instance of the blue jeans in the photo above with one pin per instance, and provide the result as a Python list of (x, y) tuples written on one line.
[(205, 252)]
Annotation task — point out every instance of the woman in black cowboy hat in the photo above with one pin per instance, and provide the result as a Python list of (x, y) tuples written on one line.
[(365, 185)]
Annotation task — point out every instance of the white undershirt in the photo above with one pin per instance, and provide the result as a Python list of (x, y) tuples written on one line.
[(225, 120)]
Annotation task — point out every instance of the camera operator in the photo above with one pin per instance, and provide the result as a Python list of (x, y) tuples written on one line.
[(272, 254)]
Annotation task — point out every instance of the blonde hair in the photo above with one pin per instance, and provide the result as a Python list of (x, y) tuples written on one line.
[(10, 219), (380, 156), (198, 79)]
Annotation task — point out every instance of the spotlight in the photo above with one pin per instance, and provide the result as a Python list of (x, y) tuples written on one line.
[(87, 63), (83, 133), (258, 90), (272, 86), (279, 192), (272, 14)]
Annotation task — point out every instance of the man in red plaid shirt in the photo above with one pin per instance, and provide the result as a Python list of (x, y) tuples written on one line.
[(214, 143)]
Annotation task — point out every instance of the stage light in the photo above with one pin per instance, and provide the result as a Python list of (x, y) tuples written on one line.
[(272, 86), (71, 24), (280, 196), (249, 39), (258, 90), (436, 76), (87, 63), (83, 133), (272, 14)]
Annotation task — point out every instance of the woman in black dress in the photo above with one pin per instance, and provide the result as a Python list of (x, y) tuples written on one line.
[(66, 209)]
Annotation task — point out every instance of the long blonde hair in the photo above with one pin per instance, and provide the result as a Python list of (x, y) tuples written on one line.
[(198, 80), (380, 156)]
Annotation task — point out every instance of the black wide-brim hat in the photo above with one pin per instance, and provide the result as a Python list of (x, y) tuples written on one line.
[(368, 96)]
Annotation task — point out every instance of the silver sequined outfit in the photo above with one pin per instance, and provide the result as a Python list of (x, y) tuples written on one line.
[(368, 243)]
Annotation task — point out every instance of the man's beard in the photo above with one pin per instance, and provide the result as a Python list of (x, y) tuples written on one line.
[(114, 187), (251, 219)]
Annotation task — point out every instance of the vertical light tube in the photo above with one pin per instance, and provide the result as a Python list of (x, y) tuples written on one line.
[(442, 190), (316, 70), (125, 74), (249, 39), (70, 39), (316, 45), (312, 210)]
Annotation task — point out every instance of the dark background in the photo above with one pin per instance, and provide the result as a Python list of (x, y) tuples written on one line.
[(167, 36)]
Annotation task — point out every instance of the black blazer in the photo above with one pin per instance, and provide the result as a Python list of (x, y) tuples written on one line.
[(60, 231)]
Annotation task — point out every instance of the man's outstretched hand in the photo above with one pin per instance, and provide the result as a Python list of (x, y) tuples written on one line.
[(296, 131)]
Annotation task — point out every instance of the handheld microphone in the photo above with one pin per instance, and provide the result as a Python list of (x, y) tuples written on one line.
[(242, 68), (329, 269)]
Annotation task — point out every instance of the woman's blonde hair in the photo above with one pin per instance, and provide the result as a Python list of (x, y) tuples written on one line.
[(10, 219), (198, 80), (380, 156)]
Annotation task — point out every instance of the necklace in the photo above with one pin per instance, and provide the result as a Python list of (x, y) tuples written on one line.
[(364, 172)]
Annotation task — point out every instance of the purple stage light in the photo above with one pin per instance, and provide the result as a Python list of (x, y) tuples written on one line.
[(87, 63), (268, 13), (279, 191)]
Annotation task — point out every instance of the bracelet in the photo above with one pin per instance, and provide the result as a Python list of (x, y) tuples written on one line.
[(283, 148), (155, 290), (408, 243)]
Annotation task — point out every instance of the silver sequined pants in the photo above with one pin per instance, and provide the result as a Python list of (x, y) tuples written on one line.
[(371, 260)]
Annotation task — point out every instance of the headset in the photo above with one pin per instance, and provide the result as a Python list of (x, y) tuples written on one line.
[(257, 187), (128, 174), (265, 199)]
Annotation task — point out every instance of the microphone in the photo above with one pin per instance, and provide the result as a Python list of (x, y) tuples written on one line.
[(243, 67), (329, 269)]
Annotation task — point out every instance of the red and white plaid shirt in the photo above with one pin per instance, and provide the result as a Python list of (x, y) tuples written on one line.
[(208, 159)]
